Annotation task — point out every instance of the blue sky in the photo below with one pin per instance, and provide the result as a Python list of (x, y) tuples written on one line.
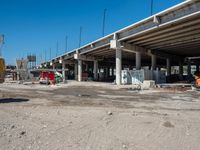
[(35, 26)]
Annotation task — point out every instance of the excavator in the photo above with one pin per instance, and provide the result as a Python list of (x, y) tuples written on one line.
[(196, 86), (196, 75)]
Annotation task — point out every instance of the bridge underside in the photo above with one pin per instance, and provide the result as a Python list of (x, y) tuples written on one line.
[(164, 40)]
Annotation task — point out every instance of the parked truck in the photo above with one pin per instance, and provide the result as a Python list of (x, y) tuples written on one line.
[(2, 70)]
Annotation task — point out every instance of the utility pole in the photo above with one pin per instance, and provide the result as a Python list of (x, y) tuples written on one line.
[(1, 43), (66, 44), (104, 20), (152, 2), (80, 36)]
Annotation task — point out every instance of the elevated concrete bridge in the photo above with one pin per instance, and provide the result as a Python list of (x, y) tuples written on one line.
[(162, 40)]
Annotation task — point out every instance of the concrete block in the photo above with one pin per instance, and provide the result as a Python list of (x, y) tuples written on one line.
[(114, 44), (147, 84)]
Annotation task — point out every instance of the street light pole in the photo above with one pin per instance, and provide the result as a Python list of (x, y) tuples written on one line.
[(152, 7), (66, 44), (104, 20), (80, 36)]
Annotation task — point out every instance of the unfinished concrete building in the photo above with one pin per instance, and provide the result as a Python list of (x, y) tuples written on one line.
[(166, 39)]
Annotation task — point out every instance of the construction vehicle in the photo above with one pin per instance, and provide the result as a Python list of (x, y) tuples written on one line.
[(2, 70), (196, 86)]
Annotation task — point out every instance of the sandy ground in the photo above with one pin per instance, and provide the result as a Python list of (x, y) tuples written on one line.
[(96, 116)]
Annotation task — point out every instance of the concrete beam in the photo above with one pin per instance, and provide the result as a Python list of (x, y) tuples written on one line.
[(164, 55), (132, 48), (83, 57)]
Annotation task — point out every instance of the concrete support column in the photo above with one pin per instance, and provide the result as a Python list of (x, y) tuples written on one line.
[(107, 72), (153, 62), (197, 68), (76, 71), (54, 67), (79, 70), (138, 60), (168, 67), (95, 70), (180, 68), (63, 71), (112, 71), (189, 68), (118, 66), (86, 67)]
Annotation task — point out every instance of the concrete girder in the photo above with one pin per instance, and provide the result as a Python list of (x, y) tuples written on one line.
[(173, 28), (96, 48), (169, 35), (100, 52), (171, 42), (179, 36), (166, 21), (133, 48), (184, 44), (165, 55), (83, 57)]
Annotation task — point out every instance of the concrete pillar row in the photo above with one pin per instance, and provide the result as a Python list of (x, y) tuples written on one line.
[(95, 70), (79, 70), (153, 62), (118, 65), (168, 67), (63, 71), (138, 60)]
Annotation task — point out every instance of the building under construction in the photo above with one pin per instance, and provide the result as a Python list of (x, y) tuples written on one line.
[(146, 50)]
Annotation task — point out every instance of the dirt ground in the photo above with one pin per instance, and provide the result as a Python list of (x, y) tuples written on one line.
[(97, 116)]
